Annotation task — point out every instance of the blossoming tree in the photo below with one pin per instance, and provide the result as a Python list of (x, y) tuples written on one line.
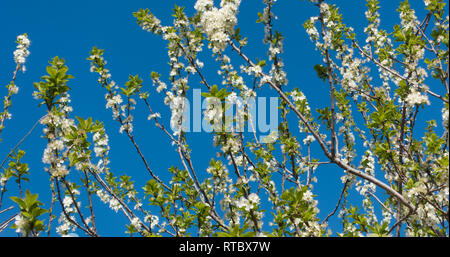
[(377, 84)]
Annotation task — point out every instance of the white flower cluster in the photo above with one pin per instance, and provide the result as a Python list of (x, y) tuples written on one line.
[(50, 157), (266, 16), (309, 227), (241, 101), (68, 202), (113, 101), (416, 74), (161, 86), (309, 139), (276, 75), (311, 29), (445, 119), (374, 34), (254, 70), (219, 172), (154, 116), (326, 15), (121, 112), (101, 146), (297, 96), (153, 219), (137, 223), (351, 75), (13, 89), (229, 75), (249, 203), (178, 106), (56, 127), (66, 226), (408, 18), (416, 97), (203, 5), (127, 122), (232, 145), (151, 23), (20, 222), (308, 196), (387, 216), (299, 99), (442, 26), (279, 76), (221, 179), (238, 106), (20, 55), (104, 73), (22, 52), (273, 50), (3, 181), (114, 204), (349, 178), (213, 113), (381, 42), (427, 215), (218, 24), (120, 109), (368, 166), (350, 228)]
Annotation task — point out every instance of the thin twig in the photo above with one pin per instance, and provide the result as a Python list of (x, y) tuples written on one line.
[(338, 203), (21, 141), (5, 224)]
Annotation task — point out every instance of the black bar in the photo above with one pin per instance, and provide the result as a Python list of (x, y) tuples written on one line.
[(257, 246)]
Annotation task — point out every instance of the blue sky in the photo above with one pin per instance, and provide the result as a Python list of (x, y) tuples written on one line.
[(70, 30)]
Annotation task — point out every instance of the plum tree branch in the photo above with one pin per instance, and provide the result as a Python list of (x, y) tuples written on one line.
[(319, 139)]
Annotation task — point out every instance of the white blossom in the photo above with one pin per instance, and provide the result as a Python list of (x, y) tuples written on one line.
[(416, 97), (20, 222), (114, 204), (22, 52), (154, 116), (218, 23), (309, 139)]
